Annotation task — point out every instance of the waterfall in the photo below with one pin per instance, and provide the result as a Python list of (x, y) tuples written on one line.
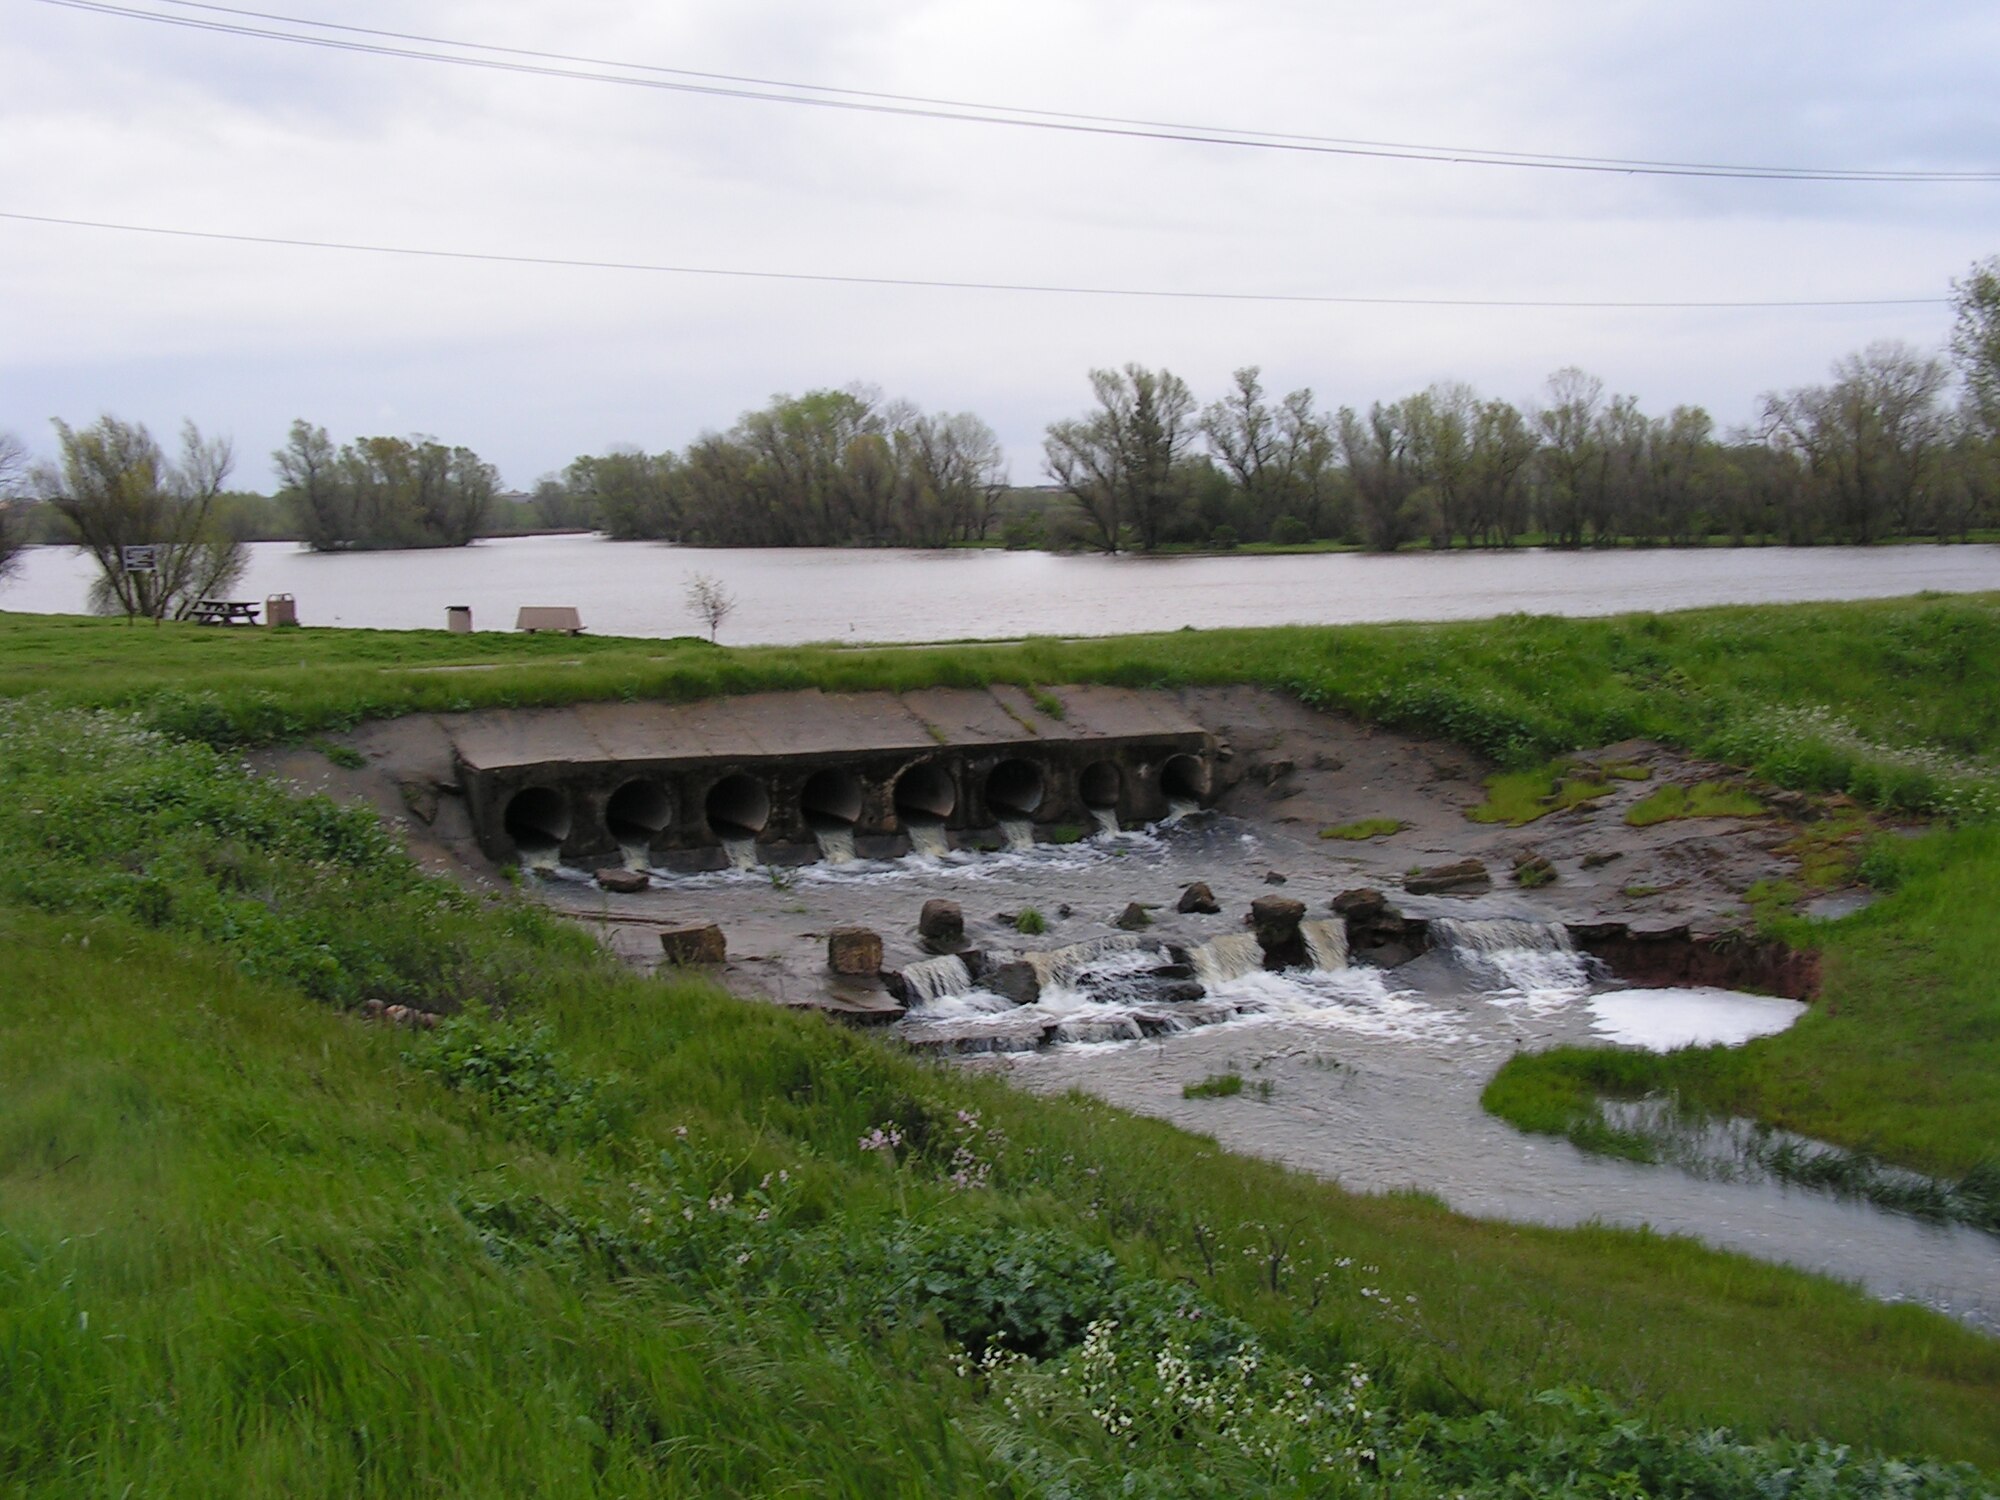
[(836, 843), (1057, 968), (1228, 957), (1499, 935), (1327, 943), (928, 838), (1533, 961), (1106, 819), (935, 978), (1178, 808), (1019, 832), (742, 852)]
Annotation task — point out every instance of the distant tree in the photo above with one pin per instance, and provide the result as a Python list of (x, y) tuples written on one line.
[(1503, 454), (115, 488), (627, 493), (1379, 465), (1870, 443), (1122, 463), (1975, 342), (13, 527), (383, 491), (708, 601), (1281, 458), (1572, 455)]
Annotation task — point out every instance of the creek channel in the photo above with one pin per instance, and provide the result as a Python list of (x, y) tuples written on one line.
[(1370, 1077)]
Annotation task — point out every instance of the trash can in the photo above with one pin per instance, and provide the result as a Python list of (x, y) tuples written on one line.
[(458, 619), (280, 609)]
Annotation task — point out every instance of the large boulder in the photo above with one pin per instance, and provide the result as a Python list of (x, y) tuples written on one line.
[(1198, 899), (941, 924), (700, 943), (854, 950), (1465, 875), (1275, 920)]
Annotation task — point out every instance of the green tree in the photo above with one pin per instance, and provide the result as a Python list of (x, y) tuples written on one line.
[(114, 488), (1975, 342), (13, 529), (383, 491), (1122, 463)]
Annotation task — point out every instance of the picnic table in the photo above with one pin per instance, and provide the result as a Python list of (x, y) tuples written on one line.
[(224, 612)]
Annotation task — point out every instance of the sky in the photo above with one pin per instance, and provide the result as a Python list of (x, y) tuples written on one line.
[(113, 118)]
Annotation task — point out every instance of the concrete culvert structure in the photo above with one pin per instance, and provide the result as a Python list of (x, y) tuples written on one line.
[(1099, 785), (738, 807), (925, 794), (831, 798), (638, 812), (537, 820), (1015, 789), (1184, 779)]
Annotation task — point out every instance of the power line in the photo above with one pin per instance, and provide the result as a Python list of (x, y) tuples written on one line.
[(533, 62), (942, 284)]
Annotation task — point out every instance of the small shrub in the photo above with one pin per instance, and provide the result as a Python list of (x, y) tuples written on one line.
[(1365, 828), (1031, 923), (1215, 1086)]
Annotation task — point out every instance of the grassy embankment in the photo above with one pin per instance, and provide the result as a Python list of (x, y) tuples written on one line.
[(249, 1246)]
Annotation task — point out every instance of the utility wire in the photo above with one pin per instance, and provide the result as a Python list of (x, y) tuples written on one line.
[(942, 284), (533, 62)]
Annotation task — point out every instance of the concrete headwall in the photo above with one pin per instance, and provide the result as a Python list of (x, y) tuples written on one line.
[(589, 782)]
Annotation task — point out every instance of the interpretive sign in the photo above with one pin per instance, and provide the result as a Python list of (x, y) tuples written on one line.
[(140, 559)]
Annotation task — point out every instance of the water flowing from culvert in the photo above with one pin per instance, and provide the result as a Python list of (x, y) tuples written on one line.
[(740, 850), (928, 838), (1178, 809), (836, 842), (1018, 832), (1106, 819)]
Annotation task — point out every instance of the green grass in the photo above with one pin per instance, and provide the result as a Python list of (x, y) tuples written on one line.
[(1894, 701), (1896, 1058), (1365, 828), (1705, 799), (1031, 922), (1215, 1086), (1519, 797), (248, 1243)]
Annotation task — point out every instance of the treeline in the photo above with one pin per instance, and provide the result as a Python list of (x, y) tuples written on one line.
[(828, 468), (1876, 452)]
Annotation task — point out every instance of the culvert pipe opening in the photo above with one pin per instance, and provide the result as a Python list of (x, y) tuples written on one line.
[(925, 794), (538, 820), (638, 813), (1100, 785), (831, 798), (737, 807), (1184, 779), (1015, 789)]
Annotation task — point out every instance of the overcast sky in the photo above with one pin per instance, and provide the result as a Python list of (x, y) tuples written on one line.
[(110, 118)]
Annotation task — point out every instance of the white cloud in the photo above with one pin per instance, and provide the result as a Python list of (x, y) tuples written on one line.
[(125, 121)]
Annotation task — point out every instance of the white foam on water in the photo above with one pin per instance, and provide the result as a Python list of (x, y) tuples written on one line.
[(1660, 1020), (1360, 1001), (1106, 819), (1520, 965)]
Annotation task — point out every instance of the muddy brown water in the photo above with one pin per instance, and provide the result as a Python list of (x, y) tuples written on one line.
[(1367, 1077), (787, 596)]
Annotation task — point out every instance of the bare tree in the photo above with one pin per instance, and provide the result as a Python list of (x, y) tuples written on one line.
[(708, 601), (115, 488)]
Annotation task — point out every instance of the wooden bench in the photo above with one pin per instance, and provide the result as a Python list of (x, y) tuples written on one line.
[(224, 612), (561, 617)]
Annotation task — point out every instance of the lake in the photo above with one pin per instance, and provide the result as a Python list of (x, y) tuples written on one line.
[(785, 596)]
